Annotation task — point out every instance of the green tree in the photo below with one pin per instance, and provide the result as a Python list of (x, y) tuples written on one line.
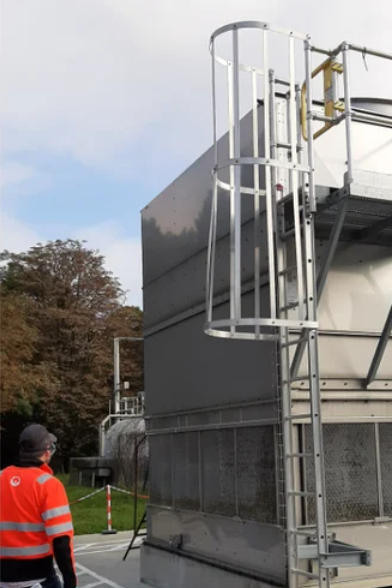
[(21, 377), (76, 308)]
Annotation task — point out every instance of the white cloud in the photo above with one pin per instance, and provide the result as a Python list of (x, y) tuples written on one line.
[(93, 78), (15, 173), (125, 86), (15, 235)]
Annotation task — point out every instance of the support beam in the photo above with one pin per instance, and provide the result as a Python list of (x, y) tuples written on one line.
[(374, 230), (380, 349), (322, 277)]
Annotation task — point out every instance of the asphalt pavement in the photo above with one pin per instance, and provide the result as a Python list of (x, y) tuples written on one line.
[(99, 561)]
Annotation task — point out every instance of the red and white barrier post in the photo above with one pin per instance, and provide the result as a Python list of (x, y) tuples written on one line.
[(109, 530)]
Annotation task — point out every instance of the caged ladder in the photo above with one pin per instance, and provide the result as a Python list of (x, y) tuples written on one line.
[(273, 179)]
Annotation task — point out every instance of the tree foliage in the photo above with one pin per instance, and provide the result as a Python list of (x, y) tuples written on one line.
[(60, 311)]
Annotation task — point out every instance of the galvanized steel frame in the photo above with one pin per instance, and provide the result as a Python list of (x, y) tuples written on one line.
[(301, 183)]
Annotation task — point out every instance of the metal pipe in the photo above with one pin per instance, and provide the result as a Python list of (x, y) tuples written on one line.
[(372, 118), (309, 118), (367, 51), (116, 375), (237, 180)]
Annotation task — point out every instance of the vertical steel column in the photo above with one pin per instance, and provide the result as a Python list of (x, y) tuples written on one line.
[(268, 191), (309, 119), (347, 109), (256, 186), (381, 512), (315, 402), (214, 204), (284, 390), (237, 180)]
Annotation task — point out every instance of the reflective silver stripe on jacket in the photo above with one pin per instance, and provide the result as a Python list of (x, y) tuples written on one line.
[(57, 529), (21, 551), (24, 527), (44, 478), (55, 512)]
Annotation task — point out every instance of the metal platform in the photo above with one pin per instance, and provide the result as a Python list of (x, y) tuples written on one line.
[(368, 215)]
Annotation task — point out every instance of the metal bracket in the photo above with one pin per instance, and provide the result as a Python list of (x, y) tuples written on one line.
[(339, 555)]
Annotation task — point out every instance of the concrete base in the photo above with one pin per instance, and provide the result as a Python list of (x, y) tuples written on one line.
[(162, 569)]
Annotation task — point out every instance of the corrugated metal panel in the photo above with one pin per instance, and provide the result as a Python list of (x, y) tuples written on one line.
[(218, 472), (256, 474), (161, 460), (350, 472), (186, 471)]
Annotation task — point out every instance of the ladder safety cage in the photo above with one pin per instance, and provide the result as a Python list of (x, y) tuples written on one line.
[(283, 259)]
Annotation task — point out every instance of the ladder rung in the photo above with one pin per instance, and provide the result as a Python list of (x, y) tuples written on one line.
[(304, 573), (293, 417), (296, 379), (299, 455), (288, 270), (289, 306), (302, 533), (289, 233), (300, 493), (284, 199)]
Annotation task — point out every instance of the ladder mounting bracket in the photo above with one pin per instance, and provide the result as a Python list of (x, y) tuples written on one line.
[(340, 555)]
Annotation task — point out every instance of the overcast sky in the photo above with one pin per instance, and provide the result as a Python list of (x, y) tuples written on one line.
[(104, 102)]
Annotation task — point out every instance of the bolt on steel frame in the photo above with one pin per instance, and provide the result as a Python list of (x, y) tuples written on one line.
[(284, 175)]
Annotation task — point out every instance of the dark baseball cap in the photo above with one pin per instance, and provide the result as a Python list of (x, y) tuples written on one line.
[(35, 439)]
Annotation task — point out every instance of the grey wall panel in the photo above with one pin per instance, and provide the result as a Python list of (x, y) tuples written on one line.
[(183, 287), (185, 369), (252, 546), (175, 225), (358, 291)]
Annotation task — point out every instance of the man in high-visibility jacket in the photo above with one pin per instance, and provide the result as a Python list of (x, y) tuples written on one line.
[(35, 519)]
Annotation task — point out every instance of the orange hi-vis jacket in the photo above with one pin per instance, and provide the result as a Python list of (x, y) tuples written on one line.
[(34, 513)]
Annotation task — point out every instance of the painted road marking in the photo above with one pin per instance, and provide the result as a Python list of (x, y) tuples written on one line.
[(98, 579), (93, 548)]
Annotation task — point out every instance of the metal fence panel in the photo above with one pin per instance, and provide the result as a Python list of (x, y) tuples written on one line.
[(350, 472), (386, 465)]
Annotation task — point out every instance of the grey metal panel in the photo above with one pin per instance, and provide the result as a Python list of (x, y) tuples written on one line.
[(252, 546), (342, 357), (170, 570), (183, 287), (175, 225), (185, 369), (358, 291), (377, 538)]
